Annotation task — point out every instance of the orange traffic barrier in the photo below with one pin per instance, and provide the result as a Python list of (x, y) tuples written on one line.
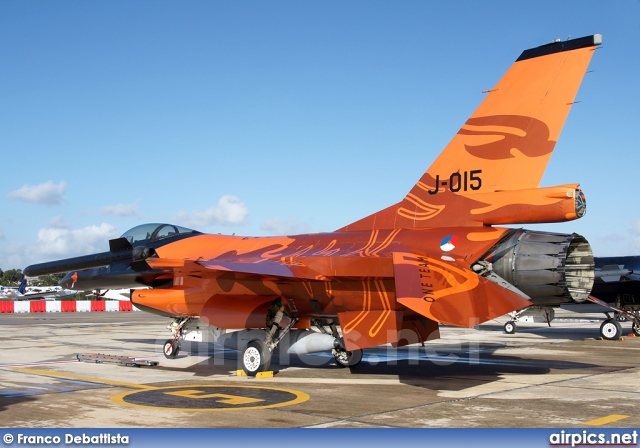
[(98, 305), (68, 306), (126, 306), (6, 307), (38, 306)]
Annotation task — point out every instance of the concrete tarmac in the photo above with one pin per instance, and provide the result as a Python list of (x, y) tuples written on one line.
[(561, 376)]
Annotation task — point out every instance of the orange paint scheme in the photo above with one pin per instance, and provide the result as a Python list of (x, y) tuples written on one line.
[(393, 276), (369, 272), (356, 280), (504, 147)]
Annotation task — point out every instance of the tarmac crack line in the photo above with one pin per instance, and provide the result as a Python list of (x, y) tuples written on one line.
[(357, 418)]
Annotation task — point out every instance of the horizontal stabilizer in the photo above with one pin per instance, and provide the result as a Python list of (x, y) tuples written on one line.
[(450, 292)]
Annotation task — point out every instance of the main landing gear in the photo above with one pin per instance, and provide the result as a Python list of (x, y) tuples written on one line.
[(257, 346), (343, 357), (256, 356), (611, 328)]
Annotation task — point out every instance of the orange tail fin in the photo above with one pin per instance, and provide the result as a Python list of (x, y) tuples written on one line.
[(489, 173)]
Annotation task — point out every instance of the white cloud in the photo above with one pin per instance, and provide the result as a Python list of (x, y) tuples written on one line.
[(12, 256), (63, 242), (229, 211), (278, 226), (57, 241), (47, 193), (120, 210)]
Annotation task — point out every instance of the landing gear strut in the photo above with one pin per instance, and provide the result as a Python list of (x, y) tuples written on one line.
[(343, 357), (611, 328), (171, 347), (545, 312), (256, 357)]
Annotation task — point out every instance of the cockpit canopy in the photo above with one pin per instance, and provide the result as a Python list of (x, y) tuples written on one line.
[(156, 231)]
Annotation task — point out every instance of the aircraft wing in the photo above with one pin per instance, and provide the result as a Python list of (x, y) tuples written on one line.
[(319, 268), (446, 291), (44, 295)]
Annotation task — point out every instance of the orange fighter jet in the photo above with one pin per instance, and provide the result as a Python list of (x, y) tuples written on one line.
[(435, 257)]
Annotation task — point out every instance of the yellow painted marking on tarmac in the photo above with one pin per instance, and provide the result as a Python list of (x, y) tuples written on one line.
[(225, 398), (300, 397), (83, 378), (605, 420)]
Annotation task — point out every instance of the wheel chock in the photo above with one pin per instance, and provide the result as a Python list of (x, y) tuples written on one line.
[(268, 374)]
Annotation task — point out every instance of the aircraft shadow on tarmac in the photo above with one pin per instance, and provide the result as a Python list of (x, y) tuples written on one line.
[(430, 366), (7, 399)]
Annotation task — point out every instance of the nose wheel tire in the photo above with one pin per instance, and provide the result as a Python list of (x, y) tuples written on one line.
[(610, 329), (510, 327), (255, 358), (348, 359), (171, 349)]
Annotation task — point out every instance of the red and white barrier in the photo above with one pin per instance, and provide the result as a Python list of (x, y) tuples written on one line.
[(64, 306)]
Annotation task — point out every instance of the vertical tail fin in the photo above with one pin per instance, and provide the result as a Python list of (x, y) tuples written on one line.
[(22, 289), (490, 171)]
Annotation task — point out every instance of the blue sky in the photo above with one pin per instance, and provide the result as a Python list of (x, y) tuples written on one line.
[(261, 118)]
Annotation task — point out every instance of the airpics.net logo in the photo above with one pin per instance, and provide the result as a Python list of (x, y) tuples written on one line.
[(587, 438)]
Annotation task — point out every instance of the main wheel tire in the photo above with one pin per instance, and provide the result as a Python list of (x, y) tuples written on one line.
[(348, 359), (171, 349), (610, 329), (636, 328), (510, 327), (256, 357)]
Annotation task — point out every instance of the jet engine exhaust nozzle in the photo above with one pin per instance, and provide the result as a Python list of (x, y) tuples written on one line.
[(548, 267)]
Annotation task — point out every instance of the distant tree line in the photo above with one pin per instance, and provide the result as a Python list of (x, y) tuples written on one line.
[(13, 277)]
